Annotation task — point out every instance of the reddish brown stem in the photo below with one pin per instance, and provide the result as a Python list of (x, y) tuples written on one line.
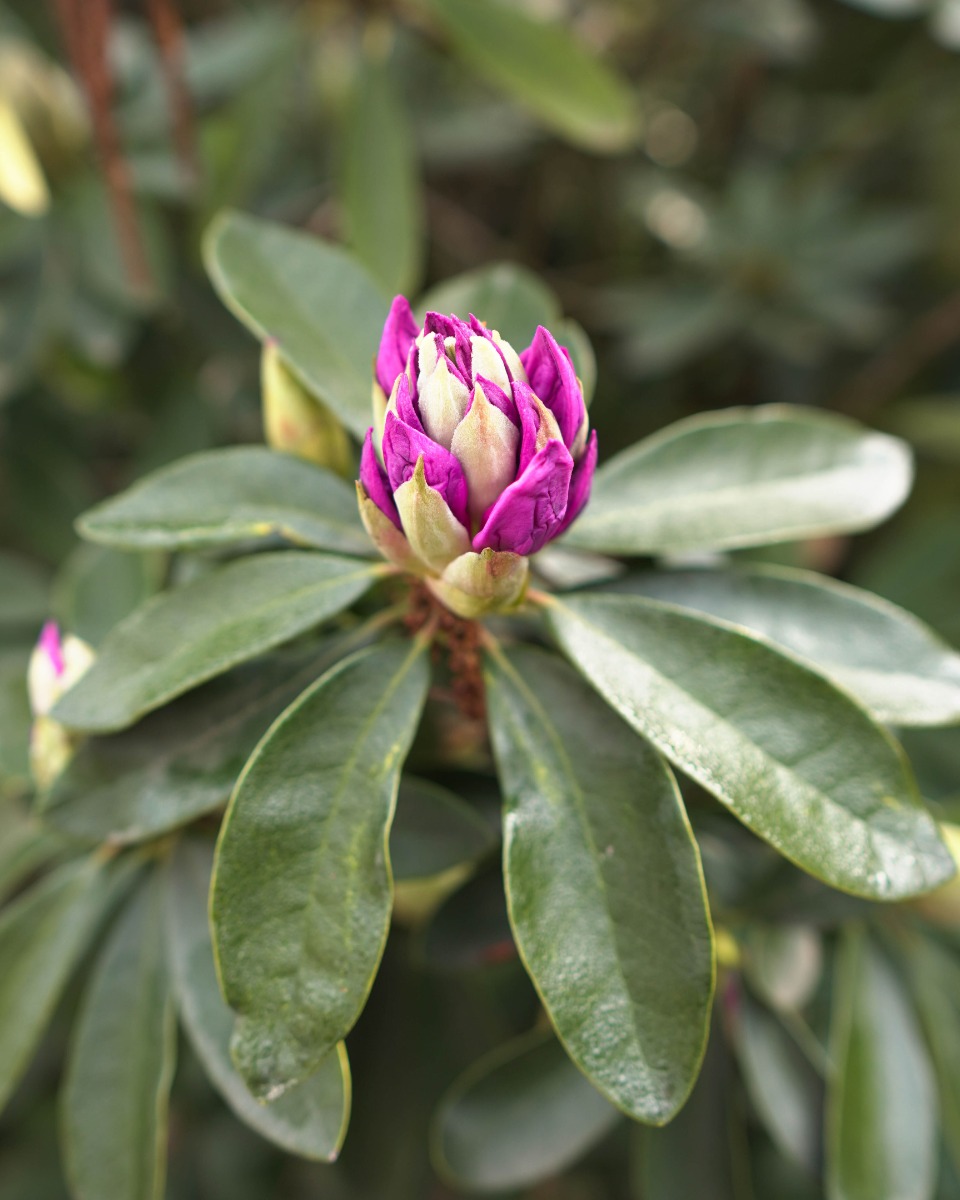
[(168, 31)]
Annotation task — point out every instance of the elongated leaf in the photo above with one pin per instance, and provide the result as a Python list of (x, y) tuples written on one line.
[(545, 67), (244, 493), (25, 846), (317, 302), (182, 638), (42, 936), (744, 477), (117, 1085), (520, 1114), (935, 984), (882, 1110), (180, 762), (604, 886), (796, 760), (379, 182), (15, 722), (783, 1086), (302, 890), (309, 1119), (506, 297), (898, 668)]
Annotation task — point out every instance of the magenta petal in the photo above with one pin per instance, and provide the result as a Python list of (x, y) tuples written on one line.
[(529, 424), (403, 446), (407, 411), (531, 510), (580, 482), (52, 646), (499, 399), (553, 378), (374, 480), (399, 332)]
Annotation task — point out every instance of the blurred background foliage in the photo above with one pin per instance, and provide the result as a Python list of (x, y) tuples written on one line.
[(741, 202)]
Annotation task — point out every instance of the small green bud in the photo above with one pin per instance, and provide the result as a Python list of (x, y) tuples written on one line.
[(298, 423), (475, 585)]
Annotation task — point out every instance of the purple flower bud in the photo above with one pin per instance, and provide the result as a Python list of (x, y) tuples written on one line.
[(484, 452)]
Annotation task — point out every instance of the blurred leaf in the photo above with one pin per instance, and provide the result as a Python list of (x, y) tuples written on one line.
[(42, 936), (743, 477), (520, 1114), (505, 297), (180, 762), (184, 637), (471, 929), (896, 667), (783, 963), (434, 830), (298, 948), (667, 325), (379, 180), (595, 838), (26, 846), (243, 493), (309, 1119), (97, 587), (782, 1085), (116, 1090), (934, 981), (881, 1105), (319, 305), (24, 593), (15, 722), (930, 423), (545, 68), (793, 758)]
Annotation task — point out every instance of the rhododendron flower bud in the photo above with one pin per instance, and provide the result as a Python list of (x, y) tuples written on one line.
[(55, 665), (480, 456)]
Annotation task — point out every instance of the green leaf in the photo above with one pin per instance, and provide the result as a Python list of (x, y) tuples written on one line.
[(935, 984), (184, 637), (309, 1119), (434, 831), (180, 762), (743, 477), (42, 936), (604, 886), (244, 493), (24, 593), (544, 67), (317, 302), (15, 722), (782, 1085), (97, 587), (520, 1114), (302, 889), (471, 929), (379, 183), (116, 1090), (26, 846), (505, 297), (894, 665), (882, 1109), (784, 963), (796, 760)]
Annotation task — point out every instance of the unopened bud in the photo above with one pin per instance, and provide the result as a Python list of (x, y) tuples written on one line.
[(298, 423)]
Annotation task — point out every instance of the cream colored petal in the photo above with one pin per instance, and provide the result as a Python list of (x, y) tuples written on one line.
[(434, 533), (486, 443)]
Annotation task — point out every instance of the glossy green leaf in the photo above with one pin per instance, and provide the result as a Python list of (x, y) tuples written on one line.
[(302, 890), (309, 1119), (243, 493), (180, 762), (379, 184), (42, 936), (317, 302), (434, 831), (796, 760), (184, 637), (24, 593), (604, 886), (744, 477), (544, 67), (882, 1108), (520, 1114), (116, 1089), (895, 666), (505, 297), (782, 1085)]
